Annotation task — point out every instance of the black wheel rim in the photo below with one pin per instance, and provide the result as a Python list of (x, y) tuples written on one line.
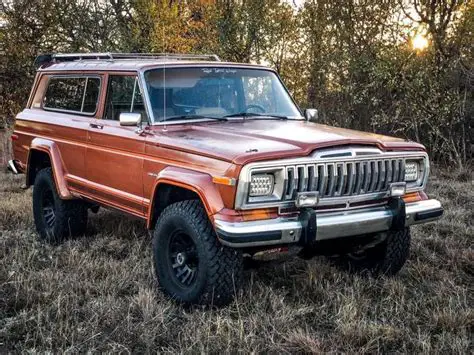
[(49, 212), (183, 259)]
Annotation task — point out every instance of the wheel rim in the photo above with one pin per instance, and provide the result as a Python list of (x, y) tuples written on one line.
[(183, 259), (49, 212)]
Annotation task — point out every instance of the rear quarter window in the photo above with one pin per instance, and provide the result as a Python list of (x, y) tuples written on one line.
[(75, 94)]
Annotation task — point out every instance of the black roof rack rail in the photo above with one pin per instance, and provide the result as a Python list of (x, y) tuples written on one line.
[(64, 57)]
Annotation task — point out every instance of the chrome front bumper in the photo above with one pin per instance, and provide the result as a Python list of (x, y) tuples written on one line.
[(329, 225)]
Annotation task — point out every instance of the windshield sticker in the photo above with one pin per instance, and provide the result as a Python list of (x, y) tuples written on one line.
[(219, 70)]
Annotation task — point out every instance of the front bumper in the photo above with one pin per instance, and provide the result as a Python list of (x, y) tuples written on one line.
[(329, 225)]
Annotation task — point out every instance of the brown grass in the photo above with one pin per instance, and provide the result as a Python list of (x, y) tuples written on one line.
[(98, 293)]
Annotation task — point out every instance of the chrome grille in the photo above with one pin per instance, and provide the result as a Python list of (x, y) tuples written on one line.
[(350, 178)]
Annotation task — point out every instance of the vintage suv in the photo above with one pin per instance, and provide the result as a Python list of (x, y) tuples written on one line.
[(219, 161)]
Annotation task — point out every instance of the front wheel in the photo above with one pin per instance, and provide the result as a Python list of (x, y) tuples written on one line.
[(384, 258), (190, 263)]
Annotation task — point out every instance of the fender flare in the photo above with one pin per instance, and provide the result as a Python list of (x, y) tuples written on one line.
[(200, 183), (57, 165)]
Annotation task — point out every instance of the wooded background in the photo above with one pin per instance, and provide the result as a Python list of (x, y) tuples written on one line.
[(358, 62)]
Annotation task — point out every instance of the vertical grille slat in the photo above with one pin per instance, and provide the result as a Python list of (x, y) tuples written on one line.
[(402, 170), (396, 170), (290, 183), (332, 179), (358, 183), (311, 177), (297, 180), (340, 168), (345, 178), (368, 176), (351, 176), (317, 178), (302, 178), (323, 180), (375, 176), (388, 167), (381, 181)]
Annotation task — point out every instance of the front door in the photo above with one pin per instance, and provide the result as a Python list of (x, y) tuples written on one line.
[(115, 153)]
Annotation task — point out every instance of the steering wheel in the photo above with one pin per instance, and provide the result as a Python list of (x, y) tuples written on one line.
[(255, 106)]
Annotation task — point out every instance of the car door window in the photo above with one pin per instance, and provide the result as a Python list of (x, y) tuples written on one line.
[(72, 94), (123, 95)]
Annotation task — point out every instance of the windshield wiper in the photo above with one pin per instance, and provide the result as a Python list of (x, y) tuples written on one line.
[(190, 117), (251, 114)]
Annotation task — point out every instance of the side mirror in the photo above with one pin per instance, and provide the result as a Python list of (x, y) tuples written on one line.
[(130, 118), (311, 114)]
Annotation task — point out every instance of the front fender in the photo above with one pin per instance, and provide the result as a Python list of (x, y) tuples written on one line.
[(49, 147), (200, 183)]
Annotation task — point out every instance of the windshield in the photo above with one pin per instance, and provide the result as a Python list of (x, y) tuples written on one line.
[(217, 92)]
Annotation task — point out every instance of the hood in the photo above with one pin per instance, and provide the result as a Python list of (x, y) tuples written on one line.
[(244, 141)]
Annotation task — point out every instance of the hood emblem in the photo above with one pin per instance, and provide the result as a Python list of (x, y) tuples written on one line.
[(251, 150)]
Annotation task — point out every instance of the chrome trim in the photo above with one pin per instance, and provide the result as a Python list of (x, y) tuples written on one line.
[(11, 166), (146, 96), (321, 164), (336, 224), (290, 230), (421, 206), (133, 93), (330, 225)]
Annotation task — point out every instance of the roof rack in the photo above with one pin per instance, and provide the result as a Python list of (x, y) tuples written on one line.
[(65, 57)]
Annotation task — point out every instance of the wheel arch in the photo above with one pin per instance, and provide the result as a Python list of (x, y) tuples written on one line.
[(178, 184), (45, 153)]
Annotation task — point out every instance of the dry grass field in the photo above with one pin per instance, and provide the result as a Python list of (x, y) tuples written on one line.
[(98, 292)]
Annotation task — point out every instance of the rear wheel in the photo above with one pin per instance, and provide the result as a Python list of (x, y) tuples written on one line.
[(56, 219), (190, 263), (386, 257)]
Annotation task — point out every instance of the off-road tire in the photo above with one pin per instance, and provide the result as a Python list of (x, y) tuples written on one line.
[(70, 216), (218, 270), (385, 258)]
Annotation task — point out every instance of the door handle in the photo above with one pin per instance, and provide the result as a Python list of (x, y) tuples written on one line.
[(95, 125)]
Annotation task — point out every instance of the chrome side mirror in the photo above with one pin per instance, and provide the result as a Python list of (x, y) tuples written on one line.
[(130, 118), (311, 114)]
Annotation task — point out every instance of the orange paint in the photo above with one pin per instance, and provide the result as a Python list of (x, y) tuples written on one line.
[(119, 167)]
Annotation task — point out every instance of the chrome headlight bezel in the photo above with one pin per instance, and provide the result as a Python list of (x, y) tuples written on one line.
[(277, 167), (420, 173), (275, 195)]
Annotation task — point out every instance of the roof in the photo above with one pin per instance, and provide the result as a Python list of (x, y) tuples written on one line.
[(134, 65), (126, 61)]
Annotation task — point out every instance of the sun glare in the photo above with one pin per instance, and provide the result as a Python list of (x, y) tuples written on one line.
[(419, 42)]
